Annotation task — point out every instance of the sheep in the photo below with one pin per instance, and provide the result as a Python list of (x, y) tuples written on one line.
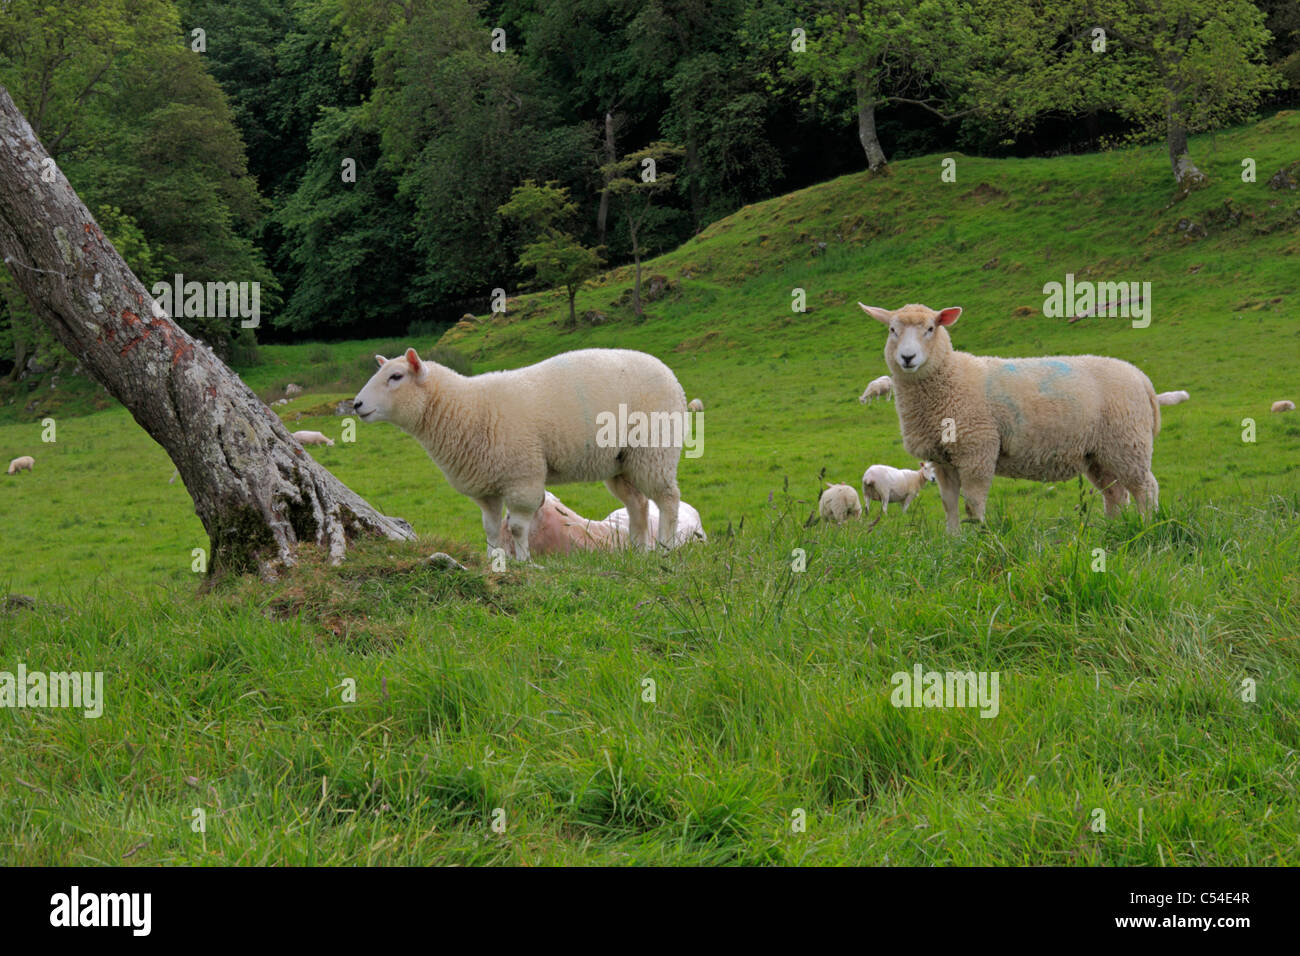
[(292, 390), (1285, 405), (839, 503), (501, 437), (695, 406), (885, 484), (313, 438), (1172, 398), (1046, 419), (21, 463), (883, 386), (557, 529)]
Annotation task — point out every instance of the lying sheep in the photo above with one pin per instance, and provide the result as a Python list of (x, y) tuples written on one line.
[(1172, 398), (22, 463), (839, 503), (890, 485), (1285, 405), (557, 529), (1046, 419), (312, 438), (878, 388), (501, 437)]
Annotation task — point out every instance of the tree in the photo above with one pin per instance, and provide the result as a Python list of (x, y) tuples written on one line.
[(256, 491), (637, 178), (556, 257)]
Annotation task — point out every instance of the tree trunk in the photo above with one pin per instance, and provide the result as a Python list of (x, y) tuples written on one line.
[(1186, 174), (602, 214), (636, 283), (257, 492), (867, 135)]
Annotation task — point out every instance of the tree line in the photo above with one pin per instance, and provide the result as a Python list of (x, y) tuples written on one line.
[(363, 160)]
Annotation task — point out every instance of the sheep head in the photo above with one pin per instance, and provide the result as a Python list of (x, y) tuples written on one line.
[(397, 393), (918, 338)]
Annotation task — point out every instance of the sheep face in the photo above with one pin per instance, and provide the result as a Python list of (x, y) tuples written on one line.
[(927, 471), (394, 393), (918, 340)]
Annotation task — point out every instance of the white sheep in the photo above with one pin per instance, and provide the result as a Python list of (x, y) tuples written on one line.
[(312, 438), (1285, 405), (695, 406), (21, 463), (689, 525), (1046, 419), (879, 387), (609, 415), (292, 390), (556, 528), (839, 503), (1172, 398), (889, 485)]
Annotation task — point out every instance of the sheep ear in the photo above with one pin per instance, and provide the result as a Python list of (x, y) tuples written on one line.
[(380, 360), (880, 315), (949, 316), (413, 360)]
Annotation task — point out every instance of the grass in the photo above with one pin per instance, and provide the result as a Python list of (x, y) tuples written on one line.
[(525, 693)]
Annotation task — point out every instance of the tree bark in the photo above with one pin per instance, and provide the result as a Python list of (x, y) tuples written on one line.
[(1186, 174), (867, 136), (602, 214), (257, 492)]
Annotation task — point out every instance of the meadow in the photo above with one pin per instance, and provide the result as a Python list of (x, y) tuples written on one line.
[(715, 704)]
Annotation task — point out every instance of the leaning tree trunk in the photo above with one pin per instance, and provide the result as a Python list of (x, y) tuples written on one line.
[(867, 136), (257, 492)]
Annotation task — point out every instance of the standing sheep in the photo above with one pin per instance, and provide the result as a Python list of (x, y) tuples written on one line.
[(1046, 419), (886, 485), (839, 503), (1285, 405), (501, 437), (878, 387), (1172, 398), (23, 463)]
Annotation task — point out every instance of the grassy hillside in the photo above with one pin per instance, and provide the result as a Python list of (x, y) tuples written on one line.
[(1121, 690)]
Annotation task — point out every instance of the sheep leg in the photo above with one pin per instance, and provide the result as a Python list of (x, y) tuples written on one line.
[(667, 500), (949, 491), (1146, 492), (637, 510), (975, 489), (491, 508), (1108, 483), (521, 507)]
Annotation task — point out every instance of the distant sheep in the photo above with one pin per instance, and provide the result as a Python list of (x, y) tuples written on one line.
[(312, 438), (292, 390), (1285, 405), (501, 437), (892, 485), (695, 406), (1172, 398), (839, 503), (22, 463), (1046, 419), (879, 388)]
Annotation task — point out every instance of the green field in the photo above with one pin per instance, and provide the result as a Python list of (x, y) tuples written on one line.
[(524, 692)]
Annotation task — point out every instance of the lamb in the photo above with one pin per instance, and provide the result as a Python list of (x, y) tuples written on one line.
[(557, 529), (1285, 405), (695, 406), (609, 415), (21, 463), (1172, 398), (839, 503), (878, 388), (313, 438), (884, 484), (1045, 419)]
